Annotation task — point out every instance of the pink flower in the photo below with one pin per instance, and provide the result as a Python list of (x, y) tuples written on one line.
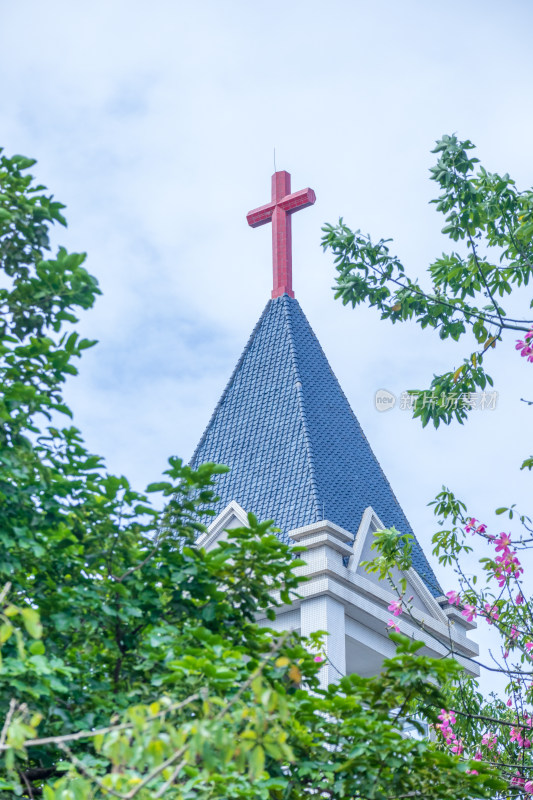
[(393, 626), (475, 526), (445, 727), (489, 740), (507, 564), (454, 598), (318, 659), (469, 612), (517, 780), (519, 599), (447, 716), (528, 786), (491, 612), (395, 607), (503, 543), (509, 702), (478, 756), (526, 346), (529, 647)]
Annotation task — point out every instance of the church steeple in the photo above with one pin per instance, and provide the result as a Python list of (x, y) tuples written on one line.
[(295, 448), (297, 455)]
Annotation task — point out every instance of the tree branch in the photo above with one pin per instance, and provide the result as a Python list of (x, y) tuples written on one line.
[(73, 737)]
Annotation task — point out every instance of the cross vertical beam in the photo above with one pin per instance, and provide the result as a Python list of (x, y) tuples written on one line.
[(279, 211)]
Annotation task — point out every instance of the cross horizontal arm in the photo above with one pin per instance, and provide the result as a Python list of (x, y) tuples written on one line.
[(260, 216), (302, 199)]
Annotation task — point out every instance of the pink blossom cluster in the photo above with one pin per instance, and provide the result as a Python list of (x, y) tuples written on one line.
[(396, 608), (519, 735), (474, 526), (489, 740), (518, 780), (491, 613), (526, 346), (504, 568), (507, 564), (447, 719), (469, 611)]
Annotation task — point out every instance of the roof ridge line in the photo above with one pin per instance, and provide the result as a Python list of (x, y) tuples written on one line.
[(228, 385), (301, 406)]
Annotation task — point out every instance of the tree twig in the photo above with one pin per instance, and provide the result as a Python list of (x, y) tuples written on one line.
[(7, 722), (88, 774)]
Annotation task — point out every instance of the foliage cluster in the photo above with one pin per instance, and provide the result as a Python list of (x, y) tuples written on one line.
[(491, 223)]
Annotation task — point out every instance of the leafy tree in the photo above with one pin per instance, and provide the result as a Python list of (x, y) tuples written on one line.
[(491, 222), (132, 665)]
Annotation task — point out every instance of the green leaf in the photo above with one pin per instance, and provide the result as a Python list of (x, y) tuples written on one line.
[(257, 761), (32, 622)]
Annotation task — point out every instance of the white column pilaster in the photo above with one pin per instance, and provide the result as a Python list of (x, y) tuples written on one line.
[(324, 613), (326, 547)]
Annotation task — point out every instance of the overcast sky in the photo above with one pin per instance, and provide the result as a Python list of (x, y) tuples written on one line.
[(156, 122)]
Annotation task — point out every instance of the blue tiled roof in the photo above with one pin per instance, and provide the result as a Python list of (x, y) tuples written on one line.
[(296, 450)]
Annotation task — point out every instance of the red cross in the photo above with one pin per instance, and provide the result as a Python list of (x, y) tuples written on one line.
[(280, 210)]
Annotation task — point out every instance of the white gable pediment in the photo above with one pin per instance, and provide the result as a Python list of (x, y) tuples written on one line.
[(233, 516), (422, 599)]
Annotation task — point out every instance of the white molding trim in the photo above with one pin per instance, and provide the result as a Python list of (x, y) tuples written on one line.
[(317, 527), (426, 595), (220, 523), (364, 609), (367, 601), (369, 516), (322, 533)]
